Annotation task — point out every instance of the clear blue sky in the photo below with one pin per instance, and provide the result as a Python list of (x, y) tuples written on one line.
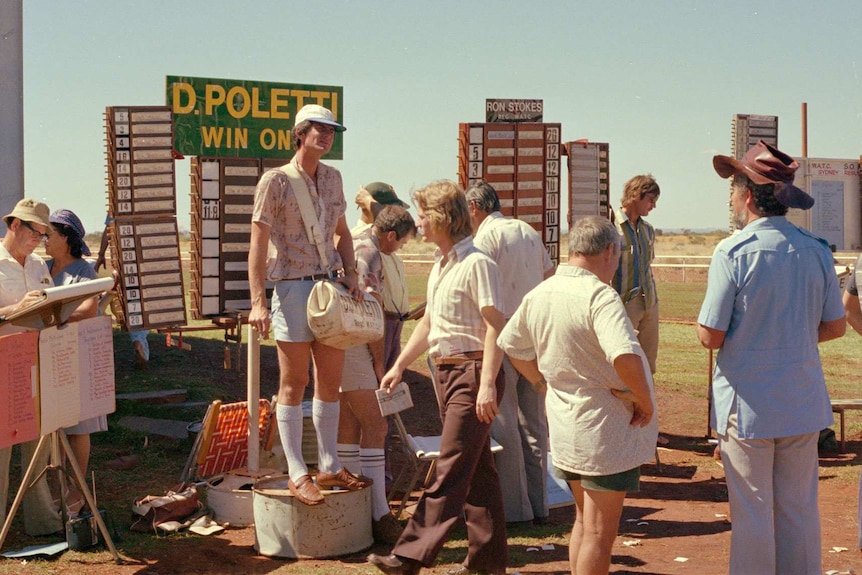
[(659, 80)]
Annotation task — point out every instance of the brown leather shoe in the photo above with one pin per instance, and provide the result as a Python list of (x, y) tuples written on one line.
[(306, 491), (343, 479), (386, 529), (394, 565)]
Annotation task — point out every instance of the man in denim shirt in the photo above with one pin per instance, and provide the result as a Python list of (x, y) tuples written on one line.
[(772, 295)]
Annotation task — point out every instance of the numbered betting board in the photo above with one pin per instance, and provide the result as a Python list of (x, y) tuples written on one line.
[(589, 180), (142, 231), (141, 164), (151, 274), (222, 203), (522, 162)]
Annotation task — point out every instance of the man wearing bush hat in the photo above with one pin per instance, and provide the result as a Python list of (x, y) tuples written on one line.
[(771, 297), (22, 276)]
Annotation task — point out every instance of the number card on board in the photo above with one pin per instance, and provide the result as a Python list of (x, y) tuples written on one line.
[(18, 388)]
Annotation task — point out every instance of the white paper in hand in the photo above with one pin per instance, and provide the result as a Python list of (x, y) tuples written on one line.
[(394, 402)]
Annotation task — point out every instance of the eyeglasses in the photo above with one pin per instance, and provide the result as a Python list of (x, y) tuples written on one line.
[(33, 230)]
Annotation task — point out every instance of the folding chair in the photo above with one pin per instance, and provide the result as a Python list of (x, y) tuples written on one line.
[(222, 443)]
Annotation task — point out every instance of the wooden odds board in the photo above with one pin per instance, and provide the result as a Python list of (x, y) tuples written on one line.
[(589, 180), (522, 162), (222, 203), (143, 235)]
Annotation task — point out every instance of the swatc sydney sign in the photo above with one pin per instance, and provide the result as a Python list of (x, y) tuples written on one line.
[(243, 118)]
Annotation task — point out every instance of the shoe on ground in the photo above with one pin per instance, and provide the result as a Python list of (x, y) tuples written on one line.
[(386, 529), (305, 490), (343, 479), (394, 565)]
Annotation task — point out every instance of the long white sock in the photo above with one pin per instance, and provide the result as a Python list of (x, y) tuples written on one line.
[(289, 418), (348, 455), (373, 465), (324, 414)]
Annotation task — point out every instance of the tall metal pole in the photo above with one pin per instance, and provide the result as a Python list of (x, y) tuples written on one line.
[(12, 110), (804, 129)]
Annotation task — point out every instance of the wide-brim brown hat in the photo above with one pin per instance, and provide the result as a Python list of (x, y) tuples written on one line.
[(764, 164), (29, 210)]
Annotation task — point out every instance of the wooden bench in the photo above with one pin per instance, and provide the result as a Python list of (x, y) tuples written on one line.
[(839, 406)]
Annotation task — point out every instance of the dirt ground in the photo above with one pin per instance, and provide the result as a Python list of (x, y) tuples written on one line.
[(677, 523)]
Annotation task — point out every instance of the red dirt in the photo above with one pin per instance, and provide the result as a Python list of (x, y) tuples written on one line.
[(680, 513)]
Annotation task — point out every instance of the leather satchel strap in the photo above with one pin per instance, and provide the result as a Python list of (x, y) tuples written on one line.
[(313, 228)]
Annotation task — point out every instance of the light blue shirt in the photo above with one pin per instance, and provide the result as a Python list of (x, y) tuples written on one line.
[(770, 286)]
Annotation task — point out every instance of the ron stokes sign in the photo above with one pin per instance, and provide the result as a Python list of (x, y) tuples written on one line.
[(244, 118)]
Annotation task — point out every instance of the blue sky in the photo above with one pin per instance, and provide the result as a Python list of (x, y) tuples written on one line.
[(659, 80)]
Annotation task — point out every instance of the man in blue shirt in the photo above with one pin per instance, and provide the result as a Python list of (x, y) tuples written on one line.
[(772, 295)]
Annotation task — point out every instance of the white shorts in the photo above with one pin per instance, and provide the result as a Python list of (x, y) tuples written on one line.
[(289, 307), (358, 370)]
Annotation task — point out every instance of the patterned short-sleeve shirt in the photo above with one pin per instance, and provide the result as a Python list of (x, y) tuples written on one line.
[(275, 205)]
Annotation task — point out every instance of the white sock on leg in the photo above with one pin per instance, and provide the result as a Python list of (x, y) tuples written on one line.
[(373, 462), (348, 455), (289, 418), (325, 417)]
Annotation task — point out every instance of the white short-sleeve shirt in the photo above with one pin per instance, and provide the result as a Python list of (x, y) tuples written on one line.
[(456, 294), (575, 326)]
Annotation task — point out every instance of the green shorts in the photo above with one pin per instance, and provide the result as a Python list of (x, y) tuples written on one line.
[(622, 481)]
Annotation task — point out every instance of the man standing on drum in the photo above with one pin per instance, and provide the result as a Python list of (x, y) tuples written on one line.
[(298, 263)]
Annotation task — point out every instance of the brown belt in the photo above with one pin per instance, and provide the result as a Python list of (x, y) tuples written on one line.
[(458, 359), (315, 277), (393, 316)]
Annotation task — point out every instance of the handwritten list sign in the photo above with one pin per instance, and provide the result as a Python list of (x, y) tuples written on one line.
[(60, 380), (96, 367), (18, 384), (76, 372)]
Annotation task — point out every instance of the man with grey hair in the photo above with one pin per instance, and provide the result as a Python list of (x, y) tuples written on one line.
[(23, 276), (771, 297), (572, 336), (521, 428)]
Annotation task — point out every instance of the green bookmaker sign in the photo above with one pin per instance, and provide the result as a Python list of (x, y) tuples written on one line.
[(244, 118)]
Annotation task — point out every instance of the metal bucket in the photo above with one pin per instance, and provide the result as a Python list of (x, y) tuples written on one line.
[(230, 498), (284, 527)]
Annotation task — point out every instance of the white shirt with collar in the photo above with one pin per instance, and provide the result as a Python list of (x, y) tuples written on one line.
[(520, 254), (16, 280), (456, 294)]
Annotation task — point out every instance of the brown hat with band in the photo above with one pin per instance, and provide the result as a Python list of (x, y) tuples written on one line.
[(29, 210), (763, 164)]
